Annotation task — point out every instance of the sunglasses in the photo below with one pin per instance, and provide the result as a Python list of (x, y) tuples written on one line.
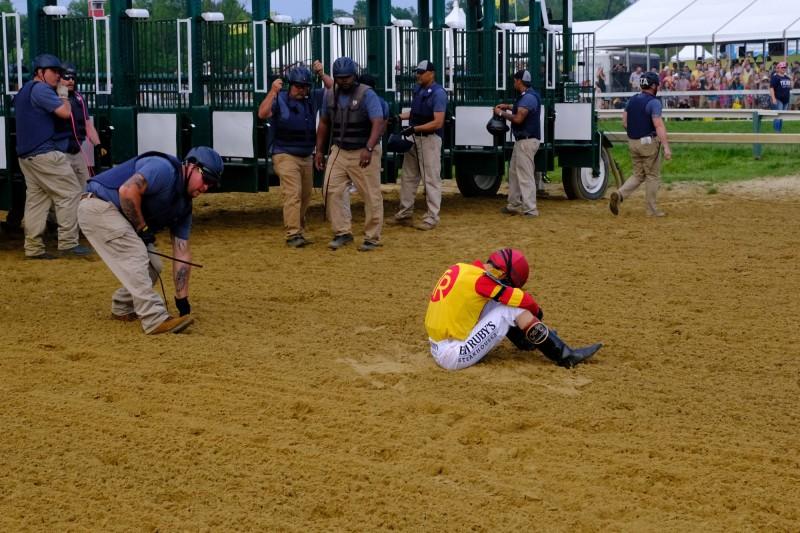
[(208, 178), (68, 77)]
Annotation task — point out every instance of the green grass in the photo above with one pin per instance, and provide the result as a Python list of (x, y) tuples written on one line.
[(717, 163)]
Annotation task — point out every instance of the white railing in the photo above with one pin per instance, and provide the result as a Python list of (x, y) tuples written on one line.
[(106, 22), (742, 114), (264, 74), (188, 55), (18, 51)]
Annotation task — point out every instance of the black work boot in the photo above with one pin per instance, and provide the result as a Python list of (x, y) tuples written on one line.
[(557, 351)]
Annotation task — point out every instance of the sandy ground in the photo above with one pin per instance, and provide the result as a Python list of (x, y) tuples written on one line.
[(304, 398)]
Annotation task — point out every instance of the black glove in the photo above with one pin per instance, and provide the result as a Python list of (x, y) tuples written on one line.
[(540, 314), (407, 131), (183, 305), (147, 236)]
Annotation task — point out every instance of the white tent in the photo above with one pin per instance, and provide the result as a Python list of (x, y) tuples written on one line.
[(763, 20), (698, 22), (690, 53), (634, 24), (586, 26), (671, 22)]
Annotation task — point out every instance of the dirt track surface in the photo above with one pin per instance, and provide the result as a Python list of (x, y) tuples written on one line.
[(304, 397)]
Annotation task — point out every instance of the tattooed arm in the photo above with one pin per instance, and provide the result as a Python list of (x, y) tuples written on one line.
[(181, 271), (130, 200)]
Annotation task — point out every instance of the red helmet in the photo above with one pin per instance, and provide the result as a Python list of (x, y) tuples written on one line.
[(513, 265)]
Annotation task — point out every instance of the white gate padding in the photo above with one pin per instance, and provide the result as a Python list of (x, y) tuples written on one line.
[(157, 131), (573, 122), (233, 133), (3, 160), (471, 126)]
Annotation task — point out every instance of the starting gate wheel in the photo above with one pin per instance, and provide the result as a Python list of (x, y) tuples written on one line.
[(471, 185), (579, 183)]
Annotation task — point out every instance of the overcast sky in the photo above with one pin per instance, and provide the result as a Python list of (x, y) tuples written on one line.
[(298, 9)]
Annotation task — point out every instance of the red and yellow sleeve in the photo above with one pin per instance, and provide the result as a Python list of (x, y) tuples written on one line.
[(510, 296)]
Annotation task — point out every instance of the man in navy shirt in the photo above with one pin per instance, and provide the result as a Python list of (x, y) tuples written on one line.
[(646, 134), (780, 87), (41, 150), (525, 124), (125, 207), (294, 123), (424, 160)]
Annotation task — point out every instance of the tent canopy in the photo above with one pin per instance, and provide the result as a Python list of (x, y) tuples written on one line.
[(634, 24), (763, 20), (670, 22), (698, 22)]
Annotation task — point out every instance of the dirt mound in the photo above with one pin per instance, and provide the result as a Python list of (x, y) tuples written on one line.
[(304, 398)]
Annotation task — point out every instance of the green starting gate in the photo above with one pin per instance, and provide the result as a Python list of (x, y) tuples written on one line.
[(169, 85)]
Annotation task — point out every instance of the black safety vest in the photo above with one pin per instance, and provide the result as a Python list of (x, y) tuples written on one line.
[(181, 202), (640, 123), (422, 105), (531, 127), (295, 125), (64, 126), (351, 124)]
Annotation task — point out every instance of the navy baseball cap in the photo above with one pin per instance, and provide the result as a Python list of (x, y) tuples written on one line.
[(425, 66)]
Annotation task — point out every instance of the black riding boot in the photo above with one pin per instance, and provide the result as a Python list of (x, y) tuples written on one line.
[(517, 336), (557, 351)]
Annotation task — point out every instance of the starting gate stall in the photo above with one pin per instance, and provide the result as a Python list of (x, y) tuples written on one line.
[(11, 182), (85, 42), (199, 80), (480, 75), (234, 74), (156, 71)]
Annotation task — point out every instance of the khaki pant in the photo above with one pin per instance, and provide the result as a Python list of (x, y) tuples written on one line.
[(297, 181), (116, 242), (50, 181), (79, 167), (522, 177), (343, 167), (646, 159), (427, 167)]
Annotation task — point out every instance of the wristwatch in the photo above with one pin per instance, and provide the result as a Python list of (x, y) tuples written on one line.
[(369, 149)]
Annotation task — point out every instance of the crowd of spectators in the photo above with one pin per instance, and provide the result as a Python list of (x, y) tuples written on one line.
[(703, 75)]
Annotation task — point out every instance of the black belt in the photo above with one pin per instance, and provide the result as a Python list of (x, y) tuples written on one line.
[(523, 136)]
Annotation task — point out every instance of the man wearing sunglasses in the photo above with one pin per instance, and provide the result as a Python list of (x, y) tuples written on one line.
[(423, 162), (49, 178), (294, 126), (121, 212), (77, 128)]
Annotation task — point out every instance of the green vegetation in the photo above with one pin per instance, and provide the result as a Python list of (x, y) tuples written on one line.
[(717, 162)]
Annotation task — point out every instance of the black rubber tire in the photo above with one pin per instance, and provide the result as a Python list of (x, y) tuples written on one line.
[(472, 185), (568, 181), (580, 184)]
